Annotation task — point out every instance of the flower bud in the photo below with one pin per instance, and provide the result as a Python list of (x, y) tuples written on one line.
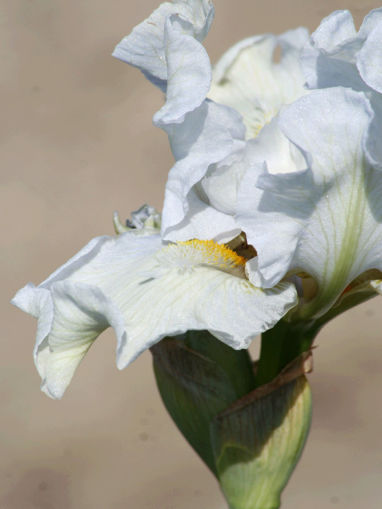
[(258, 441)]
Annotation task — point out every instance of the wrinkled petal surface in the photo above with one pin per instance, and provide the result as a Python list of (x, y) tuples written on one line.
[(271, 153), (250, 80), (166, 48), (208, 135), (145, 47), (325, 220), (145, 291), (339, 56), (188, 73), (369, 59)]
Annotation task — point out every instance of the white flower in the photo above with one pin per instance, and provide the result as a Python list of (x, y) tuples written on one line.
[(208, 136), (337, 55), (166, 48), (302, 181), (324, 220), (144, 290), (327, 219), (250, 79)]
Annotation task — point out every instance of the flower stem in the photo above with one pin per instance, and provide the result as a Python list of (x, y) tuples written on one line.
[(281, 345)]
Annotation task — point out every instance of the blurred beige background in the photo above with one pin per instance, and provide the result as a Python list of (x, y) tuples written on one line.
[(77, 143)]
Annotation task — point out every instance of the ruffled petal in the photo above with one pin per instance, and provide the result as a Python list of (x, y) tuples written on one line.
[(211, 203), (203, 221), (207, 136), (38, 303), (72, 306), (145, 291), (188, 73), (201, 285), (371, 20), (209, 144), (145, 47), (337, 55), (167, 49), (248, 79), (325, 221), (272, 219), (369, 59), (334, 30), (81, 313), (373, 147), (271, 153)]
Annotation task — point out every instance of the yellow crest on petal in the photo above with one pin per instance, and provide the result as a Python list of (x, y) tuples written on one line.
[(195, 252)]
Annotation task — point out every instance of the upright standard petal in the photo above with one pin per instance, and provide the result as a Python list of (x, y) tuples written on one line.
[(331, 213), (145, 291), (250, 79), (188, 73), (207, 136), (277, 165), (337, 55), (213, 201), (369, 58), (209, 145), (166, 48), (145, 47)]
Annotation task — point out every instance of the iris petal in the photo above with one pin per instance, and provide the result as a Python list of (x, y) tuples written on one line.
[(145, 291)]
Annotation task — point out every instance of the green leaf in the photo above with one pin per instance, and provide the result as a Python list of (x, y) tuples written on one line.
[(198, 377), (258, 441)]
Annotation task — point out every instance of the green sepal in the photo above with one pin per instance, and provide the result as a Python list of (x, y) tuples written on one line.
[(198, 377), (258, 441)]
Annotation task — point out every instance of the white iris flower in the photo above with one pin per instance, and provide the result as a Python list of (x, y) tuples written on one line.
[(144, 290), (338, 55), (298, 171), (326, 212), (208, 136)]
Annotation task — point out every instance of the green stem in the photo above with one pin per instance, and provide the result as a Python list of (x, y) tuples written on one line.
[(289, 339), (281, 345)]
